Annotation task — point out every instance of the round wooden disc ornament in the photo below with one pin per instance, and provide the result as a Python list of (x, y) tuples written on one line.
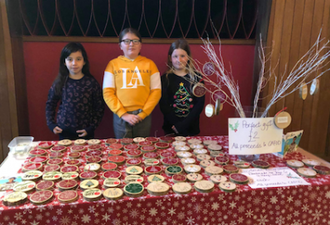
[(238, 178), (260, 164), (155, 178), (88, 175), (227, 186), (70, 176), (78, 148), (193, 177), (282, 120), (158, 188), (49, 168), (170, 161), (110, 141), (80, 142), (314, 86), (199, 90), (25, 186), (181, 188), (32, 175), (133, 178), (52, 176), (149, 170), (109, 166), (151, 155), (204, 186), (171, 170), (68, 168), (206, 163), (68, 196), (213, 170), (184, 154), (37, 152), (45, 185), (194, 141), (134, 189), (152, 139), (208, 68), (187, 161), (38, 159), (95, 147), (202, 157), (138, 139), (113, 193), (230, 169), (65, 185), (306, 172), (15, 198), (192, 168), (218, 179), (94, 194), (294, 163), (303, 91), (311, 162), (151, 162), (209, 110), (45, 144), (92, 167), (111, 182), (112, 174), (126, 141), (89, 184), (93, 142), (176, 178), (322, 169), (134, 170), (65, 142), (32, 166)]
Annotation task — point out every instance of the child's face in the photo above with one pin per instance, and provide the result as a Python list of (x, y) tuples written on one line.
[(75, 62), (131, 50), (179, 59)]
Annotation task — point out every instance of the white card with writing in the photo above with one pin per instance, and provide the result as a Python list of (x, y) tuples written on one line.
[(254, 136), (273, 177)]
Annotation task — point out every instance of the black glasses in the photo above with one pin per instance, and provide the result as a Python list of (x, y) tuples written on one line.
[(128, 41)]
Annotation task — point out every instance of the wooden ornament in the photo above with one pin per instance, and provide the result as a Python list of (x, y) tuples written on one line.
[(134, 189), (113, 193), (133, 179), (282, 120), (209, 110), (158, 188), (303, 91), (181, 188), (68, 196), (111, 182), (314, 86), (92, 153), (94, 194), (155, 178), (199, 90), (204, 186), (15, 198)]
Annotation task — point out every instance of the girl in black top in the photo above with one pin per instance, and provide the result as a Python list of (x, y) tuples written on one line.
[(181, 109), (79, 95)]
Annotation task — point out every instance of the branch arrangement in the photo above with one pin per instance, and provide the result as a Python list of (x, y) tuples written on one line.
[(316, 59)]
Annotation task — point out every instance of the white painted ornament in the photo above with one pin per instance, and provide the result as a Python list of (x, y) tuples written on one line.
[(314, 86)]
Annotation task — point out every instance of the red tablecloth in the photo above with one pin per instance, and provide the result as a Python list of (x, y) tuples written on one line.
[(295, 205)]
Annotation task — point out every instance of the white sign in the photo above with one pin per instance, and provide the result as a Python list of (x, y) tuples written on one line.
[(273, 177), (253, 136)]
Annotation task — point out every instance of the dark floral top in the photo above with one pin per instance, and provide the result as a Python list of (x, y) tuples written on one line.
[(81, 106)]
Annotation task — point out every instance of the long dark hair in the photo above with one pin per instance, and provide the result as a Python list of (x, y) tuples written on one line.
[(63, 73), (181, 44)]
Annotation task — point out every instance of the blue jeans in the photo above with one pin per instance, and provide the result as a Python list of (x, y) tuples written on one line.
[(123, 129)]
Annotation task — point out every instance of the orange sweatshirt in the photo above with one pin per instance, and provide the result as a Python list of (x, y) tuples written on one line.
[(130, 85)]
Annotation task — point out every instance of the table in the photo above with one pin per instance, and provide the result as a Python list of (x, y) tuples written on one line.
[(295, 205)]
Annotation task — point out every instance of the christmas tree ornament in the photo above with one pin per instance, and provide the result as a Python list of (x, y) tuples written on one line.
[(303, 91), (209, 110), (282, 120), (199, 90), (314, 86)]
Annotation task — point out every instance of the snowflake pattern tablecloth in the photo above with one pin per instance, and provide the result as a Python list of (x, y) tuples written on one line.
[(294, 205)]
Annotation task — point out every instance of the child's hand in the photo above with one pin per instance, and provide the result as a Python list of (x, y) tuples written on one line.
[(131, 118), (57, 130), (83, 133)]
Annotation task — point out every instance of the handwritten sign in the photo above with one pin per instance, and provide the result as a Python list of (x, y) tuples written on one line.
[(253, 136), (273, 177)]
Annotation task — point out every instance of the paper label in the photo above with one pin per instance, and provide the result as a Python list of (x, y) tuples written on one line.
[(253, 136)]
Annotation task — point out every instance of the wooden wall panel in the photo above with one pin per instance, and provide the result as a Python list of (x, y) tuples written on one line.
[(293, 29), (8, 116)]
